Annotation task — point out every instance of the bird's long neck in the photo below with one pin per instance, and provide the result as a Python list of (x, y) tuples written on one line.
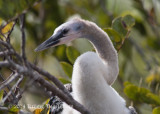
[(105, 50)]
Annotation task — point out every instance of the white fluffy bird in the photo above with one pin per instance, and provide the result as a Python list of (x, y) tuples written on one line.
[(93, 73)]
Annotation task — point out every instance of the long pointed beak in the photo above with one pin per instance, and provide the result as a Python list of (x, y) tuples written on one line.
[(52, 41)]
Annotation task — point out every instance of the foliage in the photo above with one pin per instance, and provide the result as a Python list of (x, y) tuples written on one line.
[(120, 30), (72, 54), (14, 8), (14, 109), (1, 95), (156, 110), (141, 95), (67, 68), (7, 28)]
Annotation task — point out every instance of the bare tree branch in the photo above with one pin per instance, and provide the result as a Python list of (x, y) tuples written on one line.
[(22, 25), (25, 70), (52, 78), (9, 88), (7, 110), (12, 89), (4, 64), (4, 108), (8, 80), (21, 67), (11, 52)]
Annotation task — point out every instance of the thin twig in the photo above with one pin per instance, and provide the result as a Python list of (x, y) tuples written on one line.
[(5, 92), (27, 85), (50, 87), (4, 108), (9, 80), (11, 52), (2, 35), (17, 91), (126, 37), (9, 88), (7, 110), (12, 89), (60, 94), (22, 25), (8, 36), (52, 78), (29, 70)]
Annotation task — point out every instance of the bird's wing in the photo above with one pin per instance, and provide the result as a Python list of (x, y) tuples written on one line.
[(132, 110), (56, 104)]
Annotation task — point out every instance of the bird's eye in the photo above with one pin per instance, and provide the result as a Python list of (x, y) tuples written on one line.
[(65, 31)]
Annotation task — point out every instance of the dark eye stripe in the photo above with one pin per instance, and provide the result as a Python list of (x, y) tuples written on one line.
[(65, 31)]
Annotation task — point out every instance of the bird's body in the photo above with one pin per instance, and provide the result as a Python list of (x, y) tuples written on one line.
[(93, 73), (99, 97)]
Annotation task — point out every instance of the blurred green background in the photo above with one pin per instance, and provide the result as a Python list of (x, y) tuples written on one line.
[(139, 58)]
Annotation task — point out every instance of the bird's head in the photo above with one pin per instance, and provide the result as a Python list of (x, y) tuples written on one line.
[(63, 34)]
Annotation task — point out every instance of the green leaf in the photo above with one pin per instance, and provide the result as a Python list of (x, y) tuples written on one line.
[(141, 94), (127, 83), (14, 8), (154, 99), (14, 109), (118, 26), (156, 110), (45, 110), (7, 28), (123, 24), (129, 21), (115, 37), (60, 52), (1, 95), (131, 91), (1, 20), (72, 54), (136, 93), (67, 68), (64, 81), (47, 101)]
